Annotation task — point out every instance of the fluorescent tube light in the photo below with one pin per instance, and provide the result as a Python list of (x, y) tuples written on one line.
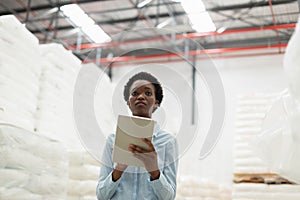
[(143, 3), (164, 23), (80, 19), (202, 22), (192, 6), (221, 30), (199, 18)]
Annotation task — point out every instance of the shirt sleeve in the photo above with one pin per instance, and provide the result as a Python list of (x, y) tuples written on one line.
[(165, 187), (106, 187)]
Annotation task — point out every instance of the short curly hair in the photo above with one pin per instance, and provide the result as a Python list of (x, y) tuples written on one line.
[(148, 77)]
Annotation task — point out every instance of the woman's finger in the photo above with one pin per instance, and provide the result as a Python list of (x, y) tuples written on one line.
[(151, 147)]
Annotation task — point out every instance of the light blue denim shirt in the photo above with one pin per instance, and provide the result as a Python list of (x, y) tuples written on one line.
[(135, 183)]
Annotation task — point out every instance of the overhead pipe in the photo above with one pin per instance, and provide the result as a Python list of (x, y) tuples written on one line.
[(210, 57), (274, 22), (190, 53), (182, 36)]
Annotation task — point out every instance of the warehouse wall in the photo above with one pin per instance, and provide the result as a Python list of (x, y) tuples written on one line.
[(243, 75)]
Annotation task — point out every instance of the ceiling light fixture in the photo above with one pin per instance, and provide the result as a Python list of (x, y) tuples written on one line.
[(80, 19), (143, 3), (198, 16), (164, 23), (221, 30)]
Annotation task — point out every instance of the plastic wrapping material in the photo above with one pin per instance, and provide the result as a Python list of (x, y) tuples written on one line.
[(54, 117), (252, 130), (37, 145), (12, 177), (82, 197), (8, 106), (192, 188), (246, 161), (84, 172), (60, 53), (251, 170), (18, 194), (249, 123), (250, 116), (82, 188), (28, 104), (254, 102), (266, 192), (78, 158), (23, 82), (31, 166), (23, 160), (22, 194), (11, 118), (292, 63), (38, 184), (21, 58), (243, 154), (243, 138), (21, 38), (279, 143)]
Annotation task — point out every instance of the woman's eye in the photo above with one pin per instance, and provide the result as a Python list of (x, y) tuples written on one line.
[(134, 93), (148, 93)]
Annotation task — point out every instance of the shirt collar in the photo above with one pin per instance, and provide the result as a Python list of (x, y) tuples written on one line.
[(156, 129)]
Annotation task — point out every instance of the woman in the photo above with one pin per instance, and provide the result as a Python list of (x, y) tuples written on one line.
[(143, 94)]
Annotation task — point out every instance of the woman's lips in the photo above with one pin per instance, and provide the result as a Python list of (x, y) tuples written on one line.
[(140, 104)]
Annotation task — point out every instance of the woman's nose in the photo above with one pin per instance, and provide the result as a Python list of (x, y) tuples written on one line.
[(141, 96)]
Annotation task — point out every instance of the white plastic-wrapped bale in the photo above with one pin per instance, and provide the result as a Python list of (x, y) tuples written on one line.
[(31, 166), (196, 188), (252, 191), (54, 117), (255, 178), (251, 111), (19, 73), (83, 175)]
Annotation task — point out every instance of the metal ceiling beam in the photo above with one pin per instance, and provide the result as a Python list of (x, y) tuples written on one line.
[(161, 15), (49, 6), (191, 35), (191, 53), (215, 9), (124, 20), (251, 5)]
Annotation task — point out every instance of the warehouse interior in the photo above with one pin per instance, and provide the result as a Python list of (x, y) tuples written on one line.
[(230, 73)]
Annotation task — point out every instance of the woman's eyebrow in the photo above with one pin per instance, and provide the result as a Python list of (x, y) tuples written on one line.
[(147, 88)]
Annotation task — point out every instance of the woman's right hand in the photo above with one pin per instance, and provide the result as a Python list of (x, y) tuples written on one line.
[(118, 171), (120, 167)]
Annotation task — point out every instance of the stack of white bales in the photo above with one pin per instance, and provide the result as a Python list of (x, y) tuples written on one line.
[(94, 92), (55, 103), (19, 73), (253, 173), (251, 112), (83, 176), (193, 188), (258, 191), (31, 167)]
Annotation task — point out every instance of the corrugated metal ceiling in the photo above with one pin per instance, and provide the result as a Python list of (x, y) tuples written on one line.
[(119, 17)]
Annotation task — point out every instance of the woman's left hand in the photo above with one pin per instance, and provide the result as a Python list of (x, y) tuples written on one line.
[(148, 157)]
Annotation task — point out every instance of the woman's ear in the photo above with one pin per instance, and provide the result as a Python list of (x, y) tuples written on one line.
[(128, 104), (156, 105)]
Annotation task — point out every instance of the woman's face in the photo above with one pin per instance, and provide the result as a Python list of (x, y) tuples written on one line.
[(142, 99)]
